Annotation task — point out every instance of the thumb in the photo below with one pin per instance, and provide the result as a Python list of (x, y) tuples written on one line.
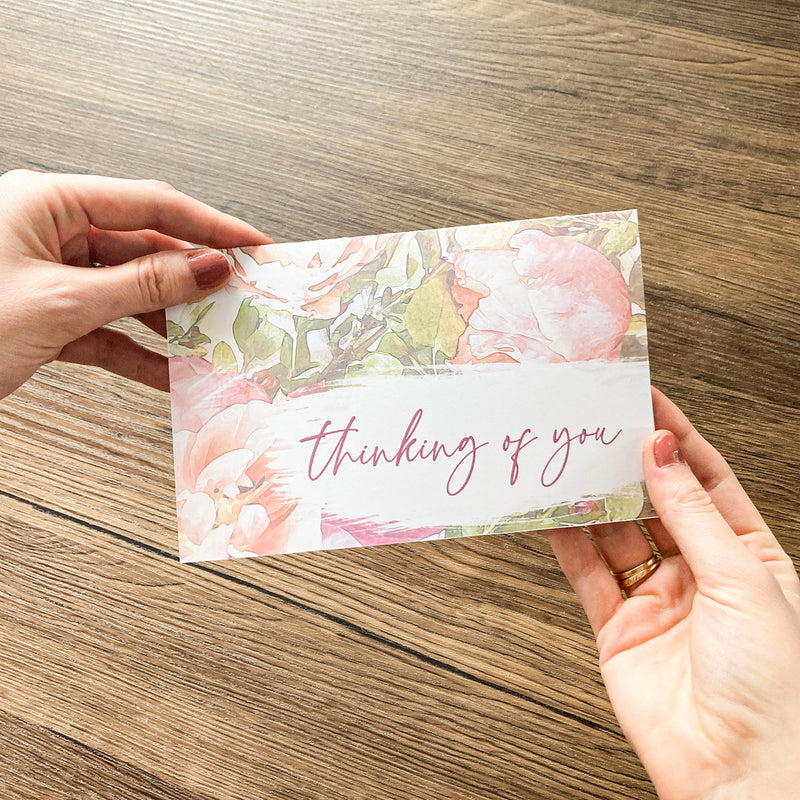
[(707, 542), (152, 282)]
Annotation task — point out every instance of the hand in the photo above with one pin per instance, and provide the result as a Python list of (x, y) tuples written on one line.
[(53, 304), (702, 660)]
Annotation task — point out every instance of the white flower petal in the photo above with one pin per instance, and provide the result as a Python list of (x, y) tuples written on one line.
[(224, 473), (197, 516), (253, 520)]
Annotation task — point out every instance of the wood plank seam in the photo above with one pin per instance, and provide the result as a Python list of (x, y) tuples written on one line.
[(332, 618)]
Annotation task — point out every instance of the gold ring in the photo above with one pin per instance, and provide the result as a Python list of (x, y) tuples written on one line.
[(634, 576)]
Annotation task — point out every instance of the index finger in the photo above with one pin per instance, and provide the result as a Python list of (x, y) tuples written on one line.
[(710, 468), (727, 495), (122, 204)]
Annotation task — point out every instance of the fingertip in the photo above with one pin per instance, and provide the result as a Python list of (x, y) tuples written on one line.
[(666, 450), (661, 455), (210, 268), (648, 449)]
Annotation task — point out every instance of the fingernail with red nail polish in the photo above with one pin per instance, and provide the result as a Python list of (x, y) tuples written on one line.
[(210, 268), (666, 450)]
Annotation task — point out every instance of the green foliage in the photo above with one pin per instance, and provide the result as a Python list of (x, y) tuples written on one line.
[(255, 336), (620, 236), (198, 313), (432, 319), (376, 364), (626, 503), (393, 345), (366, 277), (395, 275), (174, 331), (396, 315), (188, 341), (223, 358)]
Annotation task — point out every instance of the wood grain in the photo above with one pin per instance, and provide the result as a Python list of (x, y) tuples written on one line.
[(460, 669)]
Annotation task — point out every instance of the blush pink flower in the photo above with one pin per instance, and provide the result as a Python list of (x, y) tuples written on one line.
[(307, 278), (230, 500), (338, 532), (544, 298), (198, 392)]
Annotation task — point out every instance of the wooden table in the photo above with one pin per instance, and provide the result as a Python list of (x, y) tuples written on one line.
[(463, 669)]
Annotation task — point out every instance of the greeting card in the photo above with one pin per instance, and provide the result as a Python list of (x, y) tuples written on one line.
[(413, 386)]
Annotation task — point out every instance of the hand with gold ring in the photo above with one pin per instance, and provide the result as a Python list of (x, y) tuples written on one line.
[(699, 642)]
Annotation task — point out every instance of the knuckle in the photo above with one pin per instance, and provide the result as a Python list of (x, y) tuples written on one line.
[(152, 283), (19, 183), (694, 499), (151, 239), (160, 187), (19, 175), (163, 196)]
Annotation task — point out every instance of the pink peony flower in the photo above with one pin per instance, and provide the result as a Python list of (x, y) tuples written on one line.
[(544, 298), (198, 392), (307, 279), (230, 500), (338, 532)]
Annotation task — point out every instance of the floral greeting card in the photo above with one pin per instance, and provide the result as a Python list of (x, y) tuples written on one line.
[(413, 386)]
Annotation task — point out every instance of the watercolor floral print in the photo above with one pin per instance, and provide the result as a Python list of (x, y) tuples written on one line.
[(310, 317)]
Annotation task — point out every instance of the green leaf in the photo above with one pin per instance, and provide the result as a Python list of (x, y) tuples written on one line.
[(485, 237), (423, 355), (376, 364), (638, 324), (194, 336), (394, 321), (198, 312), (246, 322), (342, 330), (223, 358), (621, 236), (287, 355), (174, 331), (300, 355), (265, 342), (365, 277), (280, 373), (460, 531), (393, 275), (306, 324), (415, 265), (432, 319), (255, 336), (546, 518), (392, 345), (177, 349), (625, 503)]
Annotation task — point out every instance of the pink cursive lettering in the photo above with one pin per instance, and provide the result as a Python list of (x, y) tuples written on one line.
[(518, 444), (557, 462), (331, 448)]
